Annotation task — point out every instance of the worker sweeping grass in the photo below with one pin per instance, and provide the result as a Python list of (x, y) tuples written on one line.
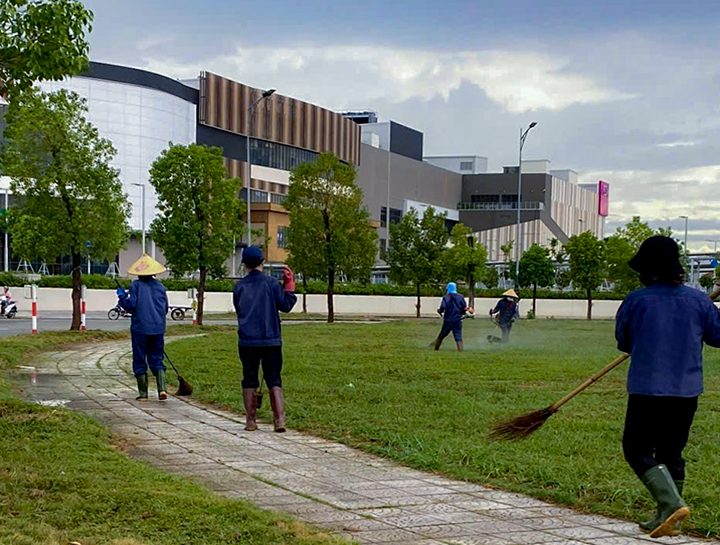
[(452, 309), (663, 327), (148, 303), (505, 314), (257, 299)]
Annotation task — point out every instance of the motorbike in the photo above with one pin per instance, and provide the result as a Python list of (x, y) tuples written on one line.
[(9, 309), (117, 311)]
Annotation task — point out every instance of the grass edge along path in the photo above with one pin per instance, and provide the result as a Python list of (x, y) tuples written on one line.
[(378, 387), (61, 479)]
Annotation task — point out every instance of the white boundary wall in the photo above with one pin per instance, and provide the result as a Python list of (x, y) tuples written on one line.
[(59, 300)]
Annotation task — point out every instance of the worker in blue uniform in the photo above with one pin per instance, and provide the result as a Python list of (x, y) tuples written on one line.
[(148, 303), (257, 299), (505, 314), (663, 327), (452, 309)]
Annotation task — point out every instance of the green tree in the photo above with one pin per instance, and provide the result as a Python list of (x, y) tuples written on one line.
[(41, 40), (416, 250), (506, 249), (199, 212), (465, 258), (587, 263), (303, 258), (72, 200), (707, 281), (536, 269), (329, 225), (618, 251), (491, 277)]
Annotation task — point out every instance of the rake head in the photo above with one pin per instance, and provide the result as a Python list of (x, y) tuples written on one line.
[(185, 388)]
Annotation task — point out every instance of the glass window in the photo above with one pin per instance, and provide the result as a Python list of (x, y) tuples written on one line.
[(383, 216), (466, 165), (395, 215), (282, 233)]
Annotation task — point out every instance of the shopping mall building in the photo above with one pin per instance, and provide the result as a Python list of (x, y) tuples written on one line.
[(140, 112)]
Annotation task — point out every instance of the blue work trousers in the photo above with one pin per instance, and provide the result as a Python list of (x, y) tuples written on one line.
[(147, 351)]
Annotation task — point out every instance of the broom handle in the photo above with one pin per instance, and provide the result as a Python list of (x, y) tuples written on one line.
[(597, 376)]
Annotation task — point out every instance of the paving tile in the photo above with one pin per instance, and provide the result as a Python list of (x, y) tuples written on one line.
[(350, 493)]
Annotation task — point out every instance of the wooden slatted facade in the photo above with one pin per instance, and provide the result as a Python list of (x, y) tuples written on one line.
[(224, 105)]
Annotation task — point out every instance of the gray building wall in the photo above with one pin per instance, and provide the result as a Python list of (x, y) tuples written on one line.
[(409, 180)]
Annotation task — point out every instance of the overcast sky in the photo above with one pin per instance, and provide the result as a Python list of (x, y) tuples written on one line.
[(627, 91)]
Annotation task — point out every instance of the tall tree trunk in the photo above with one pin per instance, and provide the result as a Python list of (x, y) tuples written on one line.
[(471, 289), (330, 293), (534, 297), (304, 294), (417, 305), (589, 296), (201, 295), (76, 291)]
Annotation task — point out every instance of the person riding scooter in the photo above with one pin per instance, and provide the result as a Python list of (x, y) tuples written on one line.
[(5, 301)]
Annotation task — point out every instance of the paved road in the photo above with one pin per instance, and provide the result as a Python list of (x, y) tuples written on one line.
[(55, 321), (327, 484)]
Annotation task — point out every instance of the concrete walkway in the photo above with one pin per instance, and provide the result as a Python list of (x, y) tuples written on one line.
[(327, 484)]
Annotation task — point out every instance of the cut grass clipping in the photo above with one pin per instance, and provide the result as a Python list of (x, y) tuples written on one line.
[(61, 481), (378, 387)]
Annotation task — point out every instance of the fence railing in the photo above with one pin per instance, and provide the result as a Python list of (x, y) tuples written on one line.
[(493, 206)]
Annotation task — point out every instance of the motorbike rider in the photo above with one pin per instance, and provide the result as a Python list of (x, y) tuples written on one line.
[(6, 298)]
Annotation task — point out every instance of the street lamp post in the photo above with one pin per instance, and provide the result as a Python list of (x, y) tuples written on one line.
[(686, 233), (523, 136), (248, 124), (142, 186)]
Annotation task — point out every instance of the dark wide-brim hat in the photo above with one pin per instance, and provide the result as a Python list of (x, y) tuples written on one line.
[(658, 256)]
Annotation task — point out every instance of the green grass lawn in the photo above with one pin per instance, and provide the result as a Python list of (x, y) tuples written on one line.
[(380, 388), (61, 480)]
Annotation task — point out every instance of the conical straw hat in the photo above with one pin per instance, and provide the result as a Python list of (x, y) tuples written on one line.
[(511, 293), (146, 266)]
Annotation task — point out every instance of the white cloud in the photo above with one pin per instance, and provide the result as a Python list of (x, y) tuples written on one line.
[(352, 76), (679, 144)]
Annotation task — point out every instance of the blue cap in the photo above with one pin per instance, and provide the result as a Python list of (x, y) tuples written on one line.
[(252, 256), (451, 287)]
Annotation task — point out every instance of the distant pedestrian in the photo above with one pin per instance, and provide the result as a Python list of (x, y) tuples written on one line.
[(257, 299), (148, 303), (663, 327), (505, 314), (452, 309)]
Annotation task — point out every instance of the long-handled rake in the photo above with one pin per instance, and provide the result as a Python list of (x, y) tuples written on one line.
[(184, 387), (522, 426)]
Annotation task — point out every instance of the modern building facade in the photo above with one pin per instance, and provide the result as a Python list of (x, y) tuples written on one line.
[(551, 207), (462, 164), (142, 112)]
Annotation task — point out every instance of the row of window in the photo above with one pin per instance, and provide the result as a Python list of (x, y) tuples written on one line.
[(262, 196), (280, 156)]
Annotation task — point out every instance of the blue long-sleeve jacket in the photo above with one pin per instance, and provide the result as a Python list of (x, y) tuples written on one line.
[(148, 303), (257, 299), (508, 311), (453, 307), (663, 328)]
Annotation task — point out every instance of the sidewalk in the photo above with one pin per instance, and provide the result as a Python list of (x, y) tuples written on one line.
[(358, 495)]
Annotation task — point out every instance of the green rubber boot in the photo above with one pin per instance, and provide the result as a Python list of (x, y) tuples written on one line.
[(161, 388), (671, 510), (142, 383), (648, 526)]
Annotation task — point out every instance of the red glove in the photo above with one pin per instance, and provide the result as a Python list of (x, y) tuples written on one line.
[(288, 279)]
